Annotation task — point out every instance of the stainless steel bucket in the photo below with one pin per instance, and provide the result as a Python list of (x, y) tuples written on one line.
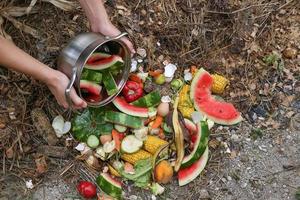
[(74, 56)]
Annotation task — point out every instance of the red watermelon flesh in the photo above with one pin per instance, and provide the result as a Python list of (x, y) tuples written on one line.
[(129, 109), (187, 175), (90, 87), (220, 112), (97, 57), (192, 129), (99, 61)]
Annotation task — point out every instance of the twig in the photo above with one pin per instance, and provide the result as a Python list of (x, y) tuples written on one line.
[(3, 166), (67, 169)]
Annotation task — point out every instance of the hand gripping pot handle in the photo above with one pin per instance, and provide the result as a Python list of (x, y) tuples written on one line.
[(75, 70)]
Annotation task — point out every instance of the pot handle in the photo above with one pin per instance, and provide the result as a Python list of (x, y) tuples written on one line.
[(117, 37), (69, 87)]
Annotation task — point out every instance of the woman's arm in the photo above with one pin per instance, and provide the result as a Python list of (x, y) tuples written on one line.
[(15, 59), (99, 20)]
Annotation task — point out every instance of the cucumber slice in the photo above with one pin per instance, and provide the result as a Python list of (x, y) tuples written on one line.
[(109, 83), (93, 141), (130, 144), (120, 128)]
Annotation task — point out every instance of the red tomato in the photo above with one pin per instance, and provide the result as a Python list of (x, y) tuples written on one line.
[(87, 189)]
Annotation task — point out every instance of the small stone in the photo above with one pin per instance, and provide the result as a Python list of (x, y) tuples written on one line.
[(224, 180), (142, 52), (290, 53), (133, 197), (243, 185), (204, 194), (229, 178), (143, 12), (244, 158), (235, 138)]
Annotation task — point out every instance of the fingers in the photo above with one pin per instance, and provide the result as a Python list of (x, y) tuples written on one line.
[(77, 101), (129, 45)]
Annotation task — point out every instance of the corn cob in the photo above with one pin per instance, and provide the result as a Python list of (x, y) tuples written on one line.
[(185, 105), (134, 157), (153, 143), (219, 84), (113, 171)]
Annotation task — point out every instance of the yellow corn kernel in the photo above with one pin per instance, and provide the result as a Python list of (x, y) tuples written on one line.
[(113, 171), (185, 105), (153, 143), (134, 157), (219, 84)]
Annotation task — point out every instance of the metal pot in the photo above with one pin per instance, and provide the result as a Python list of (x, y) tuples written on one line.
[(74, 56)]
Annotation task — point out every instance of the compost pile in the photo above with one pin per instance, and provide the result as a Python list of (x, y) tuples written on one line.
[(144, 137)]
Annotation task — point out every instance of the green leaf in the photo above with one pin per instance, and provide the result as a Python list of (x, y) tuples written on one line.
[(90, 122), (142, 173)]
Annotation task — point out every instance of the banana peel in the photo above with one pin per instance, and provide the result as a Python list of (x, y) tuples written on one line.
[(178, 136)]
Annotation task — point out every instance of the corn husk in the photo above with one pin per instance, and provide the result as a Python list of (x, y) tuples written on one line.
[(63, 4)]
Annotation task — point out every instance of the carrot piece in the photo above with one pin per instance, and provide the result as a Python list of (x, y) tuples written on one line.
[(157, 122), (193, 69), (116, 137), (155, 73), (135, 78)]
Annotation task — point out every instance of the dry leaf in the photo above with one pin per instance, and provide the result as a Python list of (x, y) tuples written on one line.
[(16, 11), (63, 4), (9, 152), (41, 164), (2, 31), (31, 5), (213, 143), (233, 154), (23, 27), (288, 100)]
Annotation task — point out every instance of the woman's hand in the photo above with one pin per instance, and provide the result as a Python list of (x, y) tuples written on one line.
[(99, 20), (57, 83), (108, 29)]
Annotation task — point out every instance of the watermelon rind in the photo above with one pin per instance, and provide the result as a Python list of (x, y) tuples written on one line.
[(107, 62), (207, 97), (199, 145), (91, 87), (129, 109), (123, 119), (187, 175), (109, 185), (149, 100), (91, 75), (109, 83)]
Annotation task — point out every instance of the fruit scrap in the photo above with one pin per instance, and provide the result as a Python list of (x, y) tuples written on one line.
[(87, 189), (109, 185), (155, 73), (153, 143), (194, 69), (179, 140), (116, 137), (185, 105), (113, 171), (160, 79), (132, 91), (135, 78), (134, 157), (219, 84), (163, 172), (157, 122), (163, 109)]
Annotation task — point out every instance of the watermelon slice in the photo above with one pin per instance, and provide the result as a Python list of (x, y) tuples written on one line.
[(187, 175), (90, 87), (219, 112), (129, 109), (192, 129), (123, 119), (109, 185), (199, 145), (99, 61)]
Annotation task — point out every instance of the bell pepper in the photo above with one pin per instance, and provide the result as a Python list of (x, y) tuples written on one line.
[(132, 91)]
